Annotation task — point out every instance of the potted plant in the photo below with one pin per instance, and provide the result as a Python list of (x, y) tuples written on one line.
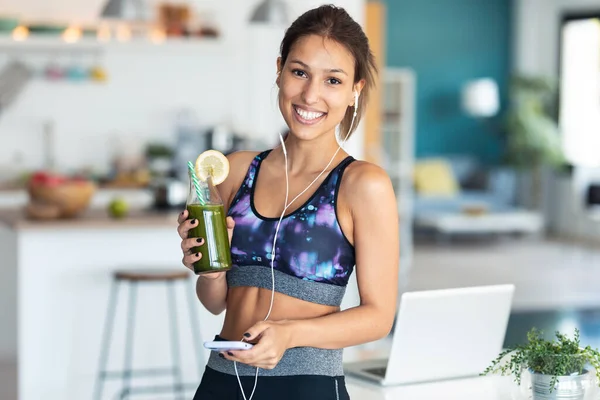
[(532, 134), (558, 367), (159, 157)]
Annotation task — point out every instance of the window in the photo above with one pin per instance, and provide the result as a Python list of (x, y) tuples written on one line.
[(579, 102)]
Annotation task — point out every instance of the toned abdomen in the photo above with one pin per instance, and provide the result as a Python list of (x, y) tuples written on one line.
[(248, 305)]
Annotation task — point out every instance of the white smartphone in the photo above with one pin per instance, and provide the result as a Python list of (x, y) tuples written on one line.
[(227, 345)]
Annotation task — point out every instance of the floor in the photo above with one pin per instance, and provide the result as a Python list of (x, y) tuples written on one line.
[(565, 320), (557, 285), (8, 379), (547, 274)]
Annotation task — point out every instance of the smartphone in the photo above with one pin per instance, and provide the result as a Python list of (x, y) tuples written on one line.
[(227, 345)]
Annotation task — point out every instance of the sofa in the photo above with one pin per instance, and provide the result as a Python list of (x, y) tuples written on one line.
[(465, 193), (471, 183)]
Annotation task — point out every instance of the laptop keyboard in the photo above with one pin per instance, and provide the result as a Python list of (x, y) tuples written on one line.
[(380, 371)]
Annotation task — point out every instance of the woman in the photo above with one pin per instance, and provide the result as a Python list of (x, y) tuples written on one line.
[(347, 217)]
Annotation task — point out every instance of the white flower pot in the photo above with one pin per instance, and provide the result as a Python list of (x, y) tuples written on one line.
[(572, 387)]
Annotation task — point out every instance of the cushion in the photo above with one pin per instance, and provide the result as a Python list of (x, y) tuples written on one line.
[(434, 177)]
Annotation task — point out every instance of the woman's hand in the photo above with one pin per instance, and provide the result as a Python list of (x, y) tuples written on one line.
[(273, 340), (187, 244)]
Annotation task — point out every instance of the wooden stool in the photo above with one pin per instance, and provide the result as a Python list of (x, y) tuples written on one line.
[(133, 278)]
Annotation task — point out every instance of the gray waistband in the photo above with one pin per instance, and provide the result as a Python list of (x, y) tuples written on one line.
[(296, 361), (260, 276)]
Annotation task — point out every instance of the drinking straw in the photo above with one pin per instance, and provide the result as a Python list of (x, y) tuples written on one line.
[(195, 181)]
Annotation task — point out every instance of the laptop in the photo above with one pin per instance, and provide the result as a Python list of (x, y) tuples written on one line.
[(442, 334)]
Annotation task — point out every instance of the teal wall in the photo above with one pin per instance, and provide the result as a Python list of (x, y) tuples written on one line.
[(447, 43)]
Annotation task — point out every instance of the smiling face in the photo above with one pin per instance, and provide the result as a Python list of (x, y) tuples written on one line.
[(316, 86)]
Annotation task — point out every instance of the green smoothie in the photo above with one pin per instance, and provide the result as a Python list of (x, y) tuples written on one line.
[(216, 254)]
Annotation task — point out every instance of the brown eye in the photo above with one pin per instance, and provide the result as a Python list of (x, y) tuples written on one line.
[(333, 81), (299, 72)]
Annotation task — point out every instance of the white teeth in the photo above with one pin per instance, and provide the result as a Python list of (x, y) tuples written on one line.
[(308, 115)]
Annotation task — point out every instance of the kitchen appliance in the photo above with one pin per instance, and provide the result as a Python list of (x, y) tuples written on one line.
[(168, 193), (592, 198)]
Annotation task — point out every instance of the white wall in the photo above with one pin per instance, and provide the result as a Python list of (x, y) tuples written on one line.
[(536, 48), (536, 32), (228, 82), (8, 293)]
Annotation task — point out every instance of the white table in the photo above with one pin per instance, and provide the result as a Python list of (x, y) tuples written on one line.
[(518, 221), (477, 388), (492, 387)]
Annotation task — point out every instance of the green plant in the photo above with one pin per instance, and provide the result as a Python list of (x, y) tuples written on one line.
[(533, 137), (155, 150), (556, 358)]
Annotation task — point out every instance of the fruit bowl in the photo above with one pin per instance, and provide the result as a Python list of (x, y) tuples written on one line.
[(58, 197)]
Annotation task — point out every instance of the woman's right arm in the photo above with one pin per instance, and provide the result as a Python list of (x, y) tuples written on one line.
[(211, 289)]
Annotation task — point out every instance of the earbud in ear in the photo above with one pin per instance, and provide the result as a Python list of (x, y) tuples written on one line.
[(355, 99)]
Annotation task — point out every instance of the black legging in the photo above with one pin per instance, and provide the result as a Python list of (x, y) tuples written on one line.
[(219, 386)]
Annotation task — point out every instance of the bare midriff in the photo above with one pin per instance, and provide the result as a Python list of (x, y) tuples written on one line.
[(248, 305)]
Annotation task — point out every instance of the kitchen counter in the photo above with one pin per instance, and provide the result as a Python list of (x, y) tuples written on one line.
[(137, 198), (55, 281), (15, 218)]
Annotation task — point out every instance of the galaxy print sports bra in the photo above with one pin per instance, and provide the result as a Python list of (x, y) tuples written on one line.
[(314, 260)]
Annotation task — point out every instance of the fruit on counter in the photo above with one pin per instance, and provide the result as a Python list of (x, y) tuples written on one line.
[(72, 195), (46, 178), (118, 208)]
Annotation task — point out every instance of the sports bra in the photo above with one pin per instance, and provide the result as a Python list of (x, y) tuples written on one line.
[(314, 259)]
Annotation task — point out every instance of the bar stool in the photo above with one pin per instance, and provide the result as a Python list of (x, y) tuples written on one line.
[(133, 278)]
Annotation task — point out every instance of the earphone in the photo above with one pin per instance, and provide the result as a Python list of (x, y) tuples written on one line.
[(286, 206)]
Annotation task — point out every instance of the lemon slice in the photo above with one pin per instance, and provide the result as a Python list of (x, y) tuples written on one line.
[(214, 164)]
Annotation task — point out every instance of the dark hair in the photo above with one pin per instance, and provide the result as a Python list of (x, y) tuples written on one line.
[(334, 23)]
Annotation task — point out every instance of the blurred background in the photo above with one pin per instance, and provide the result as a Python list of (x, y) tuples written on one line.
[(486, 117)]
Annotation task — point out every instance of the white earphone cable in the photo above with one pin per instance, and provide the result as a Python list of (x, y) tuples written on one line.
[(287, 205)]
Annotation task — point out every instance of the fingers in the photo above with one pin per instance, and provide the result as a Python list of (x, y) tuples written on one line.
[(190, 244), (189, 259), (182, 216), (187, 264), (185, 226), (261, 357), (256, 330), (261, 365), (230, 223)]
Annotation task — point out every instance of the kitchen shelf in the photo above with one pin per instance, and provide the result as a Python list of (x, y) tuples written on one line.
[(47, 43), (398, 130)]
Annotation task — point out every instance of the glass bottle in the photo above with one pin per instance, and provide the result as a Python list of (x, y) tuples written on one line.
[(204, 204)]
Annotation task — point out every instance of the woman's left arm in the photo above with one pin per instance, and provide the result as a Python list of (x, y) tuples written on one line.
[(372, 203)]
